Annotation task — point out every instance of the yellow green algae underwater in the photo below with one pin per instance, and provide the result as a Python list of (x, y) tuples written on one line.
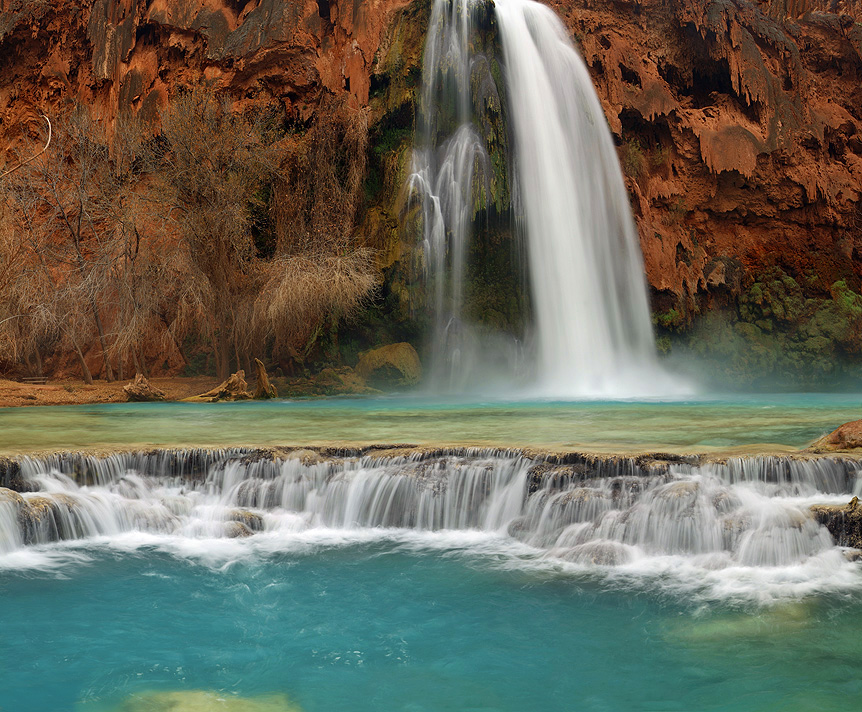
[(203, 701)]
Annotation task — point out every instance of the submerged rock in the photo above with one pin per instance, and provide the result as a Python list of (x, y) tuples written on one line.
[(237, 530), (251, 520), (205, 701), (598, 553), (391, 365), (141, 390)]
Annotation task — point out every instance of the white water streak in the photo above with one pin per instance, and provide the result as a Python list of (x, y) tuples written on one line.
[(733, 522)]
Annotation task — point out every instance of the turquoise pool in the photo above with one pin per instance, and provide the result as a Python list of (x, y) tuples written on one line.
[(371, 622), (784, 421)]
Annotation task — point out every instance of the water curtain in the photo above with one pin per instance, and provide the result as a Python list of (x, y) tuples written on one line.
[(590, 330)]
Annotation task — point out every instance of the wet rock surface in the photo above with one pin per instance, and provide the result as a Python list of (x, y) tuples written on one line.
[(844, 522)]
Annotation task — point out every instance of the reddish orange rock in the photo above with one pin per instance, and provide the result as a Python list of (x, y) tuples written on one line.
[(845, 437)]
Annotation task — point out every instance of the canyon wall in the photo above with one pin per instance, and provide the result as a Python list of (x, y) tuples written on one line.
[(740, 133), (739, 127)]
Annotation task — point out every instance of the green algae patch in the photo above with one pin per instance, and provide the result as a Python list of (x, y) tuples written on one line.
[(780, 332)]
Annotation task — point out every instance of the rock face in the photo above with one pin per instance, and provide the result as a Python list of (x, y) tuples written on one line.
[(395, 365), (843, 522), (119, 55), (738, 124), (141, 390), (845, 437), (740, 133)]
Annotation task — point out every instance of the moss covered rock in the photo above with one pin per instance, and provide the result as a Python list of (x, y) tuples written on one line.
[(393, 365)]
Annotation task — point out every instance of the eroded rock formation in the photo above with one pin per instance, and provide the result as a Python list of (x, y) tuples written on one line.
[(739, 128), (741, 137)]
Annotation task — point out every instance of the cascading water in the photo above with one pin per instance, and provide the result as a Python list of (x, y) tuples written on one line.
[(703, 524), (451, 175), (591, 324)]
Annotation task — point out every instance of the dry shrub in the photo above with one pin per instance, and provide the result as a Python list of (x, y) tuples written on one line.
[(301, 290), (320, 271)]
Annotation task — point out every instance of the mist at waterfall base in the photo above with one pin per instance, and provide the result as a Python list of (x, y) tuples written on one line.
[(438, 582), (590, 332)]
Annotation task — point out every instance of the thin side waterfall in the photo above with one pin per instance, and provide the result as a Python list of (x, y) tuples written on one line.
[(450, 176), (591, 333), (650, 517)]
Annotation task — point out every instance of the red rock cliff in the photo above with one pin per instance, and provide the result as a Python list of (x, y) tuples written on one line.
[(739, 124), (741, 137), (116, 55)]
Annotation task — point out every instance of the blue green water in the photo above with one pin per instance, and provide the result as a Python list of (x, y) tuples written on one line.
[(785, 420), (383, 626)]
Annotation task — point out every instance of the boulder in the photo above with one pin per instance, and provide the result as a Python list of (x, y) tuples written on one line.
[(237, 530), (252, 521), (142, 391), (845, 437), (844, 522), (264, 389), (393, 365), (233, 389)]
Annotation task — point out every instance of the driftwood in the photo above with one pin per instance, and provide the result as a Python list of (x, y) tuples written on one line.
[(32, 158), (141, 390), (233, 389), (264, 389)]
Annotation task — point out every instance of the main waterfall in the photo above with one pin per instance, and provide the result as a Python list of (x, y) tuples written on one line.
[(590, 331)]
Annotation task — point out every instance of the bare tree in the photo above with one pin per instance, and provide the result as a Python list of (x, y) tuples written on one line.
[(212, 164), (85, 269)]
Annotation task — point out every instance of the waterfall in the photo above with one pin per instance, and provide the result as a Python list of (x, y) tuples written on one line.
[(591, 333), (622, 513)]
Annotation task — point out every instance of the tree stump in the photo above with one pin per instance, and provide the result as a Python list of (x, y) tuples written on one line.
[(233, 389), (142, 391), (264, 389)]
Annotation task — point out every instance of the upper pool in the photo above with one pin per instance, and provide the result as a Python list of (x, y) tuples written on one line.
[(782, 421)]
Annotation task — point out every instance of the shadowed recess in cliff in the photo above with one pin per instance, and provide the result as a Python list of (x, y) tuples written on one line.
[(590, 330)]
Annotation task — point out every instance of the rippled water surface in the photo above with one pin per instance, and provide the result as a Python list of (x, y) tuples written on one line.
[(407, 623), (790, 421)]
